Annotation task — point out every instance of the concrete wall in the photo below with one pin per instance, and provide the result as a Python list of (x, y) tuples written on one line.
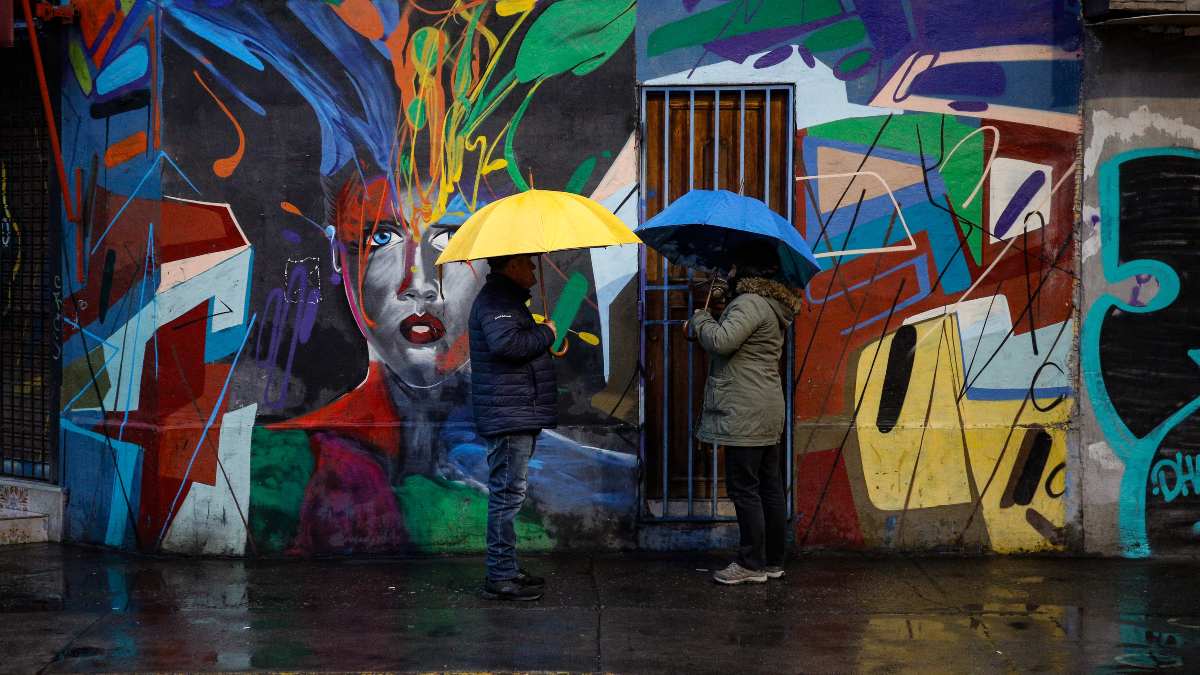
[(1141, 196), (254, 365)]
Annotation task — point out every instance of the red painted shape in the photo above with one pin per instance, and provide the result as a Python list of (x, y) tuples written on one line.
[(182, 230), (93, 15), (191, 229), (174, 404), (836, 521), (105, 44), (873, 296), (457, 355), (365, 414)]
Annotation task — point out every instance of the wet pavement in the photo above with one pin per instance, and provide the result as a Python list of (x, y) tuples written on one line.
[(77, 609)]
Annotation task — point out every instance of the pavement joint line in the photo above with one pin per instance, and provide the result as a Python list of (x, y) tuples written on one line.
[(60, 655)]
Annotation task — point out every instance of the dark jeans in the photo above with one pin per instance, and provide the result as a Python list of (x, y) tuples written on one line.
[(754, 482), (508, 470)]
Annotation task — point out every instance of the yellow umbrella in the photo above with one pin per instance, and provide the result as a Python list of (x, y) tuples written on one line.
[(535, 222)]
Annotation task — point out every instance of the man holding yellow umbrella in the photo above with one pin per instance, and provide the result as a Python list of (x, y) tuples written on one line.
[(514, 389)]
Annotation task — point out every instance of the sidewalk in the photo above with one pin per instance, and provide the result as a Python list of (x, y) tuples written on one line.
[(73, 609)]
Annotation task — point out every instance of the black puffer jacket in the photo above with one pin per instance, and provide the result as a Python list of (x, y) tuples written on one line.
[(513, 385)]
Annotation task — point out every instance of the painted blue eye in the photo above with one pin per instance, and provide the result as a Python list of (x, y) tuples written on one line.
[(382, 238)]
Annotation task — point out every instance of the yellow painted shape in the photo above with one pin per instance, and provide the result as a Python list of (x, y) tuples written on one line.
[(494, 165), (510, 7), (992, 443), (889, 458), (83, 74), (1009, 530)]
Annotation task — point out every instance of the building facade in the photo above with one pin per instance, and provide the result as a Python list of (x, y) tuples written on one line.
[(257, 355)]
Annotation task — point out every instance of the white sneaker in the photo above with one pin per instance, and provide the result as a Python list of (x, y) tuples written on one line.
[(774, 571), (736, 574)]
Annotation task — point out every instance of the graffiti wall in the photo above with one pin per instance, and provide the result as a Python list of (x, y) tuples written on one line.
[(260, 356), (935, 179), (1138, 345)]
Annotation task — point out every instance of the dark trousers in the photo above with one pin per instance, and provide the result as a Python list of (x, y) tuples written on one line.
[(754, 481)]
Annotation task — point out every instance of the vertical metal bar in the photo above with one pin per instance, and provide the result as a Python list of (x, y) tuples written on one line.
[(767, 148), (716, 186), (716, 139), (690, 353), (742, 142), (789, 483), (789, 160), (642, 309), (666, 297), (691, 139), (642, 160), (666, 192)]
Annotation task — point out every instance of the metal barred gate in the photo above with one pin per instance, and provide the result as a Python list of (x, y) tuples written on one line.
[(737, 138), (29, 282)]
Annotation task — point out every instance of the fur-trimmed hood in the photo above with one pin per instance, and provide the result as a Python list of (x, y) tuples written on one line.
[(787, 304)]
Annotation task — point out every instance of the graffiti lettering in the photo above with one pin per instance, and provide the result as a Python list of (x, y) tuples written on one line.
[(1172, 478)]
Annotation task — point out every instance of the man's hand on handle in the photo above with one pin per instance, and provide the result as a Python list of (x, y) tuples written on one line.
[(554, 329)]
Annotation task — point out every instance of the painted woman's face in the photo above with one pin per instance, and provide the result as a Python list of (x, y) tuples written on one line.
[(414, 323)]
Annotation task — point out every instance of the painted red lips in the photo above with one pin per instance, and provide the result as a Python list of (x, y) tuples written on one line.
[(421, 329)]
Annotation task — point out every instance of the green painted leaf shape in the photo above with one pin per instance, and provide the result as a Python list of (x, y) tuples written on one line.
[(576, 36)]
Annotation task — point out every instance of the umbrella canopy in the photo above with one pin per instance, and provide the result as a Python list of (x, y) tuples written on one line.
[(533, 222), (703, 228)]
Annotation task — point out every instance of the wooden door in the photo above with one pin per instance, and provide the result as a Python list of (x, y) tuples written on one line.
[(738, 140)]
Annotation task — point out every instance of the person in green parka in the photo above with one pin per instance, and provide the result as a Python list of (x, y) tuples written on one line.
[(744, 407)]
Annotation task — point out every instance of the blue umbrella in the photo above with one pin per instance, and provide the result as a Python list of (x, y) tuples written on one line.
[(703, 228)]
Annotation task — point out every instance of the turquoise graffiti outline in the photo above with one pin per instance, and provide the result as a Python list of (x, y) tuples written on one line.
[(1136, 453)]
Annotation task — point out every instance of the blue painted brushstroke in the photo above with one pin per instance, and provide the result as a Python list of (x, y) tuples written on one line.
[(129, 67), (355, 103)]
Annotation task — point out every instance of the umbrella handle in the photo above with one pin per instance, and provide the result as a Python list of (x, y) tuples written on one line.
[(546, 309), (687, 326)]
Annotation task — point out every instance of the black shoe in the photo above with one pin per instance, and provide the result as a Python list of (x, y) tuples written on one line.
[(526, 579), (509, 589)]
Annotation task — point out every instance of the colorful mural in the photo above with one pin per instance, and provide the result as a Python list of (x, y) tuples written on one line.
[(260, 356), (935, 180)]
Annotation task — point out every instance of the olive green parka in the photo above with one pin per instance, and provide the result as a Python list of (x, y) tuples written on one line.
[(743, 396)]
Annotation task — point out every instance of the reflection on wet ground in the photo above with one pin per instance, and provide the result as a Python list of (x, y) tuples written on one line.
[(75, 609)]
